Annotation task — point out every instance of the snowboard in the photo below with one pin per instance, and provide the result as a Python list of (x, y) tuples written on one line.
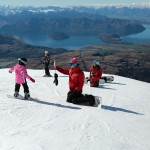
[(107, 78), (87, 81), (102, 80), (21, 97)]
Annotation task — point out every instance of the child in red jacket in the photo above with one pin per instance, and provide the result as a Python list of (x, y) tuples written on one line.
[(95, 74)]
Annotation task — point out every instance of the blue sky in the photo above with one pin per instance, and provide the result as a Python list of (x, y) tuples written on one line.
[(67, 2)]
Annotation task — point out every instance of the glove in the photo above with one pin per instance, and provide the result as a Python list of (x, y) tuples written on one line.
[(56, 79), (10, 71), (52, 62), (31, 79), (87, 79)]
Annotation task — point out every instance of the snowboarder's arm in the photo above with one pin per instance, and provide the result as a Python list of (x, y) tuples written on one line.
[(64, 71), (11, 70), (27, 76)]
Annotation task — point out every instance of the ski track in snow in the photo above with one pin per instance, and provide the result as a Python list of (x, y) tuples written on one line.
[(107, 125), (112, 100), (57, 93)]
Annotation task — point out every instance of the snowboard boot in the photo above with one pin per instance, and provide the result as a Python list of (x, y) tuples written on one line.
[(26, 95), (45, 76), (16, 94)]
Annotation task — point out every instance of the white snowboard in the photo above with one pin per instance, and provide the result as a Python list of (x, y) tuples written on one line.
[(21, 97)]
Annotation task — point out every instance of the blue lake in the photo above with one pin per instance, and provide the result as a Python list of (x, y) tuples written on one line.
[(142, 37), (72, 43), (76, 42)]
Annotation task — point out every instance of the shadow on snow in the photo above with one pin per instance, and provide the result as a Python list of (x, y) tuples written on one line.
[(54, 104), (119, 109)]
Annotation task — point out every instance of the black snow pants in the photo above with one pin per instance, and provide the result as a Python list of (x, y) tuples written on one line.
[(25, 87), (79, 98), (47, 69)]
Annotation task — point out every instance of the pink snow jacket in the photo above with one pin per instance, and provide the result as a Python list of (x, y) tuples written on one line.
[(20, 73)]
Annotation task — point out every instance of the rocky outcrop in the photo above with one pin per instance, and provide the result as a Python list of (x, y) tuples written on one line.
[(110, 38)]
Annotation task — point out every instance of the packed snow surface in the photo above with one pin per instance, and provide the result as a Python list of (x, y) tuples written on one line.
[(50, 123)]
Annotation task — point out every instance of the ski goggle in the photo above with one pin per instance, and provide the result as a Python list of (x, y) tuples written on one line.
[(24, 62), (96, 62), (73, 64)]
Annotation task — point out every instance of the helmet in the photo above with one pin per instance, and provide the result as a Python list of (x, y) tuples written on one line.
[(22, 61), (73, 62), (46, 52), (96, 62)]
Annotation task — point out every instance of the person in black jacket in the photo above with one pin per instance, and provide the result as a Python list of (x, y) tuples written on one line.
[(46, 63)]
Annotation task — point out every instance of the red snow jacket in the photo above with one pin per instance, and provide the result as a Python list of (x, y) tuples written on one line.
[(95, 74), (76, 77)]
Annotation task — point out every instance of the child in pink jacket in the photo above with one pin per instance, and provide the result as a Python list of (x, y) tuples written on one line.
[(20, 77)]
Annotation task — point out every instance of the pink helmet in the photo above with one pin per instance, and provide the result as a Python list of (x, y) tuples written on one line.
[(74, 60)]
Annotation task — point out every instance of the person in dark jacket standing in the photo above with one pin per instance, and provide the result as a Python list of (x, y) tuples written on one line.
[(76, 82), (46, 63)]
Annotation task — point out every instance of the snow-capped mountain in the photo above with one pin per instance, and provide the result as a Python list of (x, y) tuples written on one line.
[(6, 10), (72, 21), (51, 123)]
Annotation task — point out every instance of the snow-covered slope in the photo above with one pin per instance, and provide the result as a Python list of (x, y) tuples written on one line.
[(50, 123)]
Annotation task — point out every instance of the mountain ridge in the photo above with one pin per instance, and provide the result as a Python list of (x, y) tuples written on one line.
[(85, 21)]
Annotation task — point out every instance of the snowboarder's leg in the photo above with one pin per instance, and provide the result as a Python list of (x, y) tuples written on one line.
[(26, 90), (81, 99), (87, 99), (78, 98), (47, 73), (70, 96), (94, 83), (90, 99), (73, 96), (17, 88)]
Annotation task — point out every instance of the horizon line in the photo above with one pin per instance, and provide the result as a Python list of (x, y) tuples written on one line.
[(76, 5)]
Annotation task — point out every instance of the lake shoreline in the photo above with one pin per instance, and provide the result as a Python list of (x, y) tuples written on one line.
[(77, 42)]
